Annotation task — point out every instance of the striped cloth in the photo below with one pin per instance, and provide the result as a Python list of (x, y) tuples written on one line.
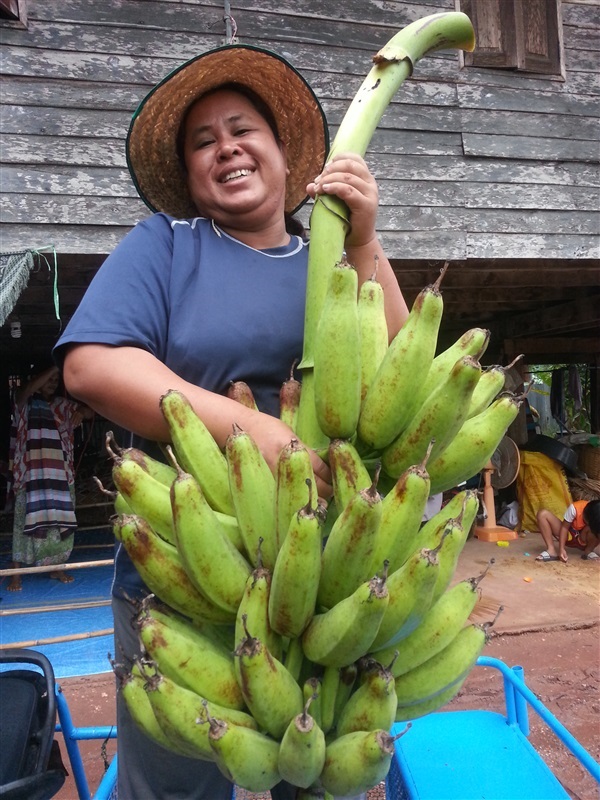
[(49, 501)]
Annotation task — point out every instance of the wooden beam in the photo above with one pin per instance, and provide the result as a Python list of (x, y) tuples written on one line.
[(551, 345), (568, 316)]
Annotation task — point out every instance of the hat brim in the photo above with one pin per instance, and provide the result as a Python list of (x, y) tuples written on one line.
[(151, 147)]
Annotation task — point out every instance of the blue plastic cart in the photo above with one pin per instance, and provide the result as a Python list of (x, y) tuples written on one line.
[(448, 755)]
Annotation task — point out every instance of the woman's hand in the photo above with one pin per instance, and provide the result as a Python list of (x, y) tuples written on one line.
[(347, 176), (272, 435)]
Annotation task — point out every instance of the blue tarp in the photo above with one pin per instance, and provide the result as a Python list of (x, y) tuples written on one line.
[(27, 621)]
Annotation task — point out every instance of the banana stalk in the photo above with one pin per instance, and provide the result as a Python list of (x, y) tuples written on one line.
[(329, 222)]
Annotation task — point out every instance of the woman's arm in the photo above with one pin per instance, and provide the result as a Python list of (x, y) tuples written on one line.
[(23, 393), (348, 177), (125, 384)]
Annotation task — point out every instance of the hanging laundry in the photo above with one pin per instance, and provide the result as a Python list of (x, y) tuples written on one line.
[(574, 385)]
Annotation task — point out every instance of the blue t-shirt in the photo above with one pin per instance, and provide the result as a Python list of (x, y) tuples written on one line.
[(209, 307)]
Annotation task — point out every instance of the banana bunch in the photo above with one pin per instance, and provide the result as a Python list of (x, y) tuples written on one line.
[(276, 645)]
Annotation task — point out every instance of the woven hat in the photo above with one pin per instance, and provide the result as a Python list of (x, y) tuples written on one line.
[(152, 139)]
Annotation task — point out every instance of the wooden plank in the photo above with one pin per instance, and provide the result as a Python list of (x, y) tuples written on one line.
[(485, 170), (500, 245), (64, 122), (575, 83), (84, 94), (66, 238), (498, 195), (546, 102), (580, 15), (530, 147), (75, 151), (580, 38), (557, 126), (136, 13), (39, 209), (65, 180)]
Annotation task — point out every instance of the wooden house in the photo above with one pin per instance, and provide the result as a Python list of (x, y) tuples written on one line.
[(488, 161)]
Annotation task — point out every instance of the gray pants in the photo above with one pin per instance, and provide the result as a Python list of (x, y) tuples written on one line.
[(148, 771)]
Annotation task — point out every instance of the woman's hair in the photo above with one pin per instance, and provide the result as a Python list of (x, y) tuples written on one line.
[(591, 516), (292, 225)]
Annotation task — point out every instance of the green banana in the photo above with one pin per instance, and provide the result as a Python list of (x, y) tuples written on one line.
[(455, 538), (192, 660), (270, 691), (330, 686), (253, 487), (247, 758), (373, 330), (131, 687), (344, 633), (168, 716), (296, 575), (145, 496), (373, 705), (439, 626), (357, 762), (294, 469), (241, 393), (473, 342), (289, 400), (220, 635), (348, 472), (253, 612), (446, 667), (347, 559), (402, 510), (432, 530), (196, 450), (158, 469), (416, 710), (390, 402), (473, 445), (410, 591), (213, 564), (302, 750), (181, 712), (489, 386), (293, 660), (336, 365), (162, 570), (438, 420), (347, 679)]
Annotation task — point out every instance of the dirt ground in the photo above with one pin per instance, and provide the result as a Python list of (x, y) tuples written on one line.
[(550, 626)]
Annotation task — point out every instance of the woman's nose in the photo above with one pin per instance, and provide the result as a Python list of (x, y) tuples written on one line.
[(228, 147)]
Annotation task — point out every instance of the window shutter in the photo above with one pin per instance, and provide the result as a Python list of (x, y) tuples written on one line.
[(495, 44), (9, 9), (538, 48), (515, 34)]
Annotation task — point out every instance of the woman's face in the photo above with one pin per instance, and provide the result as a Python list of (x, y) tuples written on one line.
[(236, 167)]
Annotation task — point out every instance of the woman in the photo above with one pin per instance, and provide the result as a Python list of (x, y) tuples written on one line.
[(43, 475), (211, 289)]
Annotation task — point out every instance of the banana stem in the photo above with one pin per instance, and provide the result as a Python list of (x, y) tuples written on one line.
[(329, 222)]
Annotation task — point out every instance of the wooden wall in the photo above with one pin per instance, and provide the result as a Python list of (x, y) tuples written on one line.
[(472, 163)]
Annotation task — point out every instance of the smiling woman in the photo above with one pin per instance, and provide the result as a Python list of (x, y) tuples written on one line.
[(208, 290)]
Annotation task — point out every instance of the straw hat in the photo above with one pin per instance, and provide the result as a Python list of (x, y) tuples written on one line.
[(152, 139)]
